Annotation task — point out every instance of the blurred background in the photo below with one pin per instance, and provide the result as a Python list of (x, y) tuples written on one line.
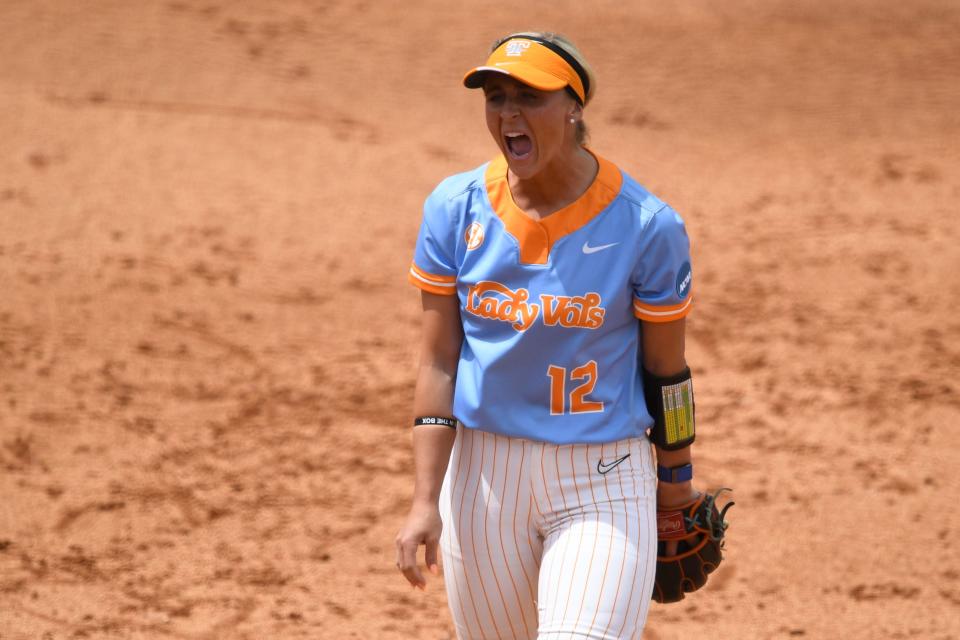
[(207, 341)]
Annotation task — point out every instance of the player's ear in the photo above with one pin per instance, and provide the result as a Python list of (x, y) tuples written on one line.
[(576, 111)]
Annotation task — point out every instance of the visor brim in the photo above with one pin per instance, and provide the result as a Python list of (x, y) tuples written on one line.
[(525, 73)]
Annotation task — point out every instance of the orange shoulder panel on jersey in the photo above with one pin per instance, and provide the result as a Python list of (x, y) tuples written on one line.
[(440, 285), (651, 313)]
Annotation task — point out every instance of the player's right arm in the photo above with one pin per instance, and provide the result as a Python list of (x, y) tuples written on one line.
[(442, 337)]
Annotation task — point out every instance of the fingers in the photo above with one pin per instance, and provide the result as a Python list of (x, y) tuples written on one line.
[(423, 527), (671, 548), (431, 557), (407, 562)]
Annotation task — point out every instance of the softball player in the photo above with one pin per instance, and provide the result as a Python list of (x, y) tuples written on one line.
[(534, 269)]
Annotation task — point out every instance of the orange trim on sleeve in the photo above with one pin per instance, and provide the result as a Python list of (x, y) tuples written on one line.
[(669, 313), (431, 277), (536, 237), (440, 285)]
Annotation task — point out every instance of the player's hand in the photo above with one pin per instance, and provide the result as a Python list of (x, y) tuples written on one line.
[(422, 527), (674, 495)]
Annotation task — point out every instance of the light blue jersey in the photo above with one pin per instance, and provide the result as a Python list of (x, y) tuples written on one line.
[(549, 308)]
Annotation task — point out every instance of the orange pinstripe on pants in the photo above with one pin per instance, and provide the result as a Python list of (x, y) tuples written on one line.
[(548, 542)]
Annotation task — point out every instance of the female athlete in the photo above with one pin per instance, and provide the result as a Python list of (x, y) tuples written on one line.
[(554, 292)]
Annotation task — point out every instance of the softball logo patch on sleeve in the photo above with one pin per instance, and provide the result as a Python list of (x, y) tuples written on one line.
[(684, 280), (473, 236)]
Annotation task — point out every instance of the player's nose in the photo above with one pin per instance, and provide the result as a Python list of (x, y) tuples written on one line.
[(509, 108)]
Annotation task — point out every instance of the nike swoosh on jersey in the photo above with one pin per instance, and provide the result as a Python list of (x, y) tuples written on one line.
[(587, 249), (605, 468)]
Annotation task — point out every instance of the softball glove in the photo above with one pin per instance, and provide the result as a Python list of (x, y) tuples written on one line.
[(699, 528)]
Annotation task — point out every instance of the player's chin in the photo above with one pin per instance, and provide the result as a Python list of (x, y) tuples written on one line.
[(524, 166)]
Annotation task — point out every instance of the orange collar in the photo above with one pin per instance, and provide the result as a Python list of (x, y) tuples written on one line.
[(537, 237)]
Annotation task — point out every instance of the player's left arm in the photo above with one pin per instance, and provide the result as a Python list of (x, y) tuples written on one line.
[(663, 356)]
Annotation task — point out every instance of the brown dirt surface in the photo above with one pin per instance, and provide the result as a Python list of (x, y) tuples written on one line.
[(207, 341)]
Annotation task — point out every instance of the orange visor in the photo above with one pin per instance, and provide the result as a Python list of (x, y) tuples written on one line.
[(532, 62)]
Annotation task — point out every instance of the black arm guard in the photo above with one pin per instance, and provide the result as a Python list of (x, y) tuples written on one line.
[(670, 403)]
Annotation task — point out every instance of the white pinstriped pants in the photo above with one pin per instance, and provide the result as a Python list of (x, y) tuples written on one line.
[(538, 544)]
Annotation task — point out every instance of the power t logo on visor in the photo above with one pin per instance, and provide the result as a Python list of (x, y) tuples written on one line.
[(517, 47)]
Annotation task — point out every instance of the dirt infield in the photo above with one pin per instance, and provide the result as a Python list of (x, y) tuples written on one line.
[(207, 340)]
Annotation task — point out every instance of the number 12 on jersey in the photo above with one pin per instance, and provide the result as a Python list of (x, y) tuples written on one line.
[(577, 402)]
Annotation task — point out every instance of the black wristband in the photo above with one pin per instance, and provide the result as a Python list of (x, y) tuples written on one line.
[(438, 420)]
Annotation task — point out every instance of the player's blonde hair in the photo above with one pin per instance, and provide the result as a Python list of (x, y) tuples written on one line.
[(567, 45)]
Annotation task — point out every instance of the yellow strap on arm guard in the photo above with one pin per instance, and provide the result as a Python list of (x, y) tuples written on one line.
[(670, 403)]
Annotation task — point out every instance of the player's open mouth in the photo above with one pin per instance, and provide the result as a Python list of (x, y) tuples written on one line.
[(519, 145)]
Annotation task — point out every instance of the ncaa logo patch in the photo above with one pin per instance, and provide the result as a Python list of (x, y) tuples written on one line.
[(684, 280), (474, 236), (517, 47)]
